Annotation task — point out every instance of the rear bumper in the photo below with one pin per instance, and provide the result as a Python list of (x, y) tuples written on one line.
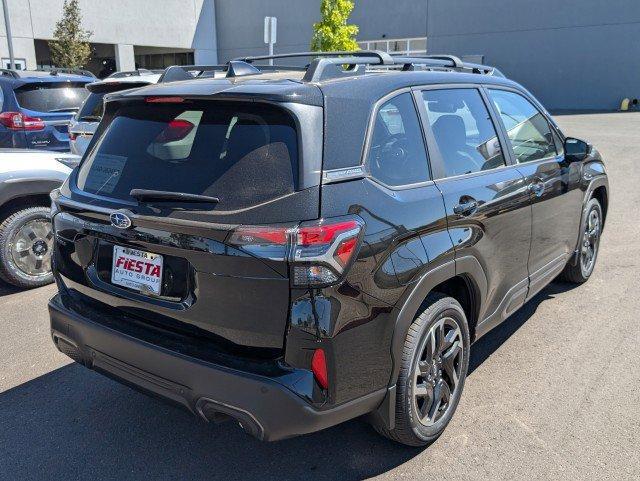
[(265, 408)]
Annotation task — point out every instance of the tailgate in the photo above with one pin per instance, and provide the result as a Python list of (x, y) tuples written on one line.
[(212, 281)]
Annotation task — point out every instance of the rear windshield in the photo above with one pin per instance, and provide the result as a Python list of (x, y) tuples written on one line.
[(244, 154), (51, 97), (92, 108)]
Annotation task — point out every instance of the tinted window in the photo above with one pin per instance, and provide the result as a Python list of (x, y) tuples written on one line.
[(244, 154), (463, 131), (527, 129), (92, 108), (397, 155), (51, 97)]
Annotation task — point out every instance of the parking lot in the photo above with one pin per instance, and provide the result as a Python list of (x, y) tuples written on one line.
[(553, 393)]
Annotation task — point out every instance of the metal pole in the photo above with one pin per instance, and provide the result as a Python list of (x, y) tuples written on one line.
[(7, 25)]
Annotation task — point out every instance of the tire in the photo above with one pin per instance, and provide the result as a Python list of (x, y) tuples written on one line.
[(410, 428), (579, 271), (26, 241)]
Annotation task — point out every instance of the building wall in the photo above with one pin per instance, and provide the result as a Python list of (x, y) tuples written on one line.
[(240, 23), (574, 54), (181, 24)]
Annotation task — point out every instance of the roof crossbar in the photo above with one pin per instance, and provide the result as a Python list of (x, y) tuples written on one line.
[(379, 55)]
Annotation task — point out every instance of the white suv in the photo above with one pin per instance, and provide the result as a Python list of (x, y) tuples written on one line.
[(85, 122)]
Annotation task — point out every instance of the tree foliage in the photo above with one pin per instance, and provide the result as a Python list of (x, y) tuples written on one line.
[(70, 47), (333, 32)]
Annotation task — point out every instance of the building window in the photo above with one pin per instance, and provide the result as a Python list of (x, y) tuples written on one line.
[(403, 46), (163, 60)]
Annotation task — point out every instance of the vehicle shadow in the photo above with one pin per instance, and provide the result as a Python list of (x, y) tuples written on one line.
[(8, 289), (490, 342), (75, 424)]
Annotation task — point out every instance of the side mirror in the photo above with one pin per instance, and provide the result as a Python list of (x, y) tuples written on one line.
[(575, 150)]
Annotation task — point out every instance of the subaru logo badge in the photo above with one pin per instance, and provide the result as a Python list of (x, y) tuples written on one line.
[(120, 220)]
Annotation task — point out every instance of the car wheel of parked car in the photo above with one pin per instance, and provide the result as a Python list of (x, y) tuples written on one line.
[(434, 366), (589, 244), (26, 240)]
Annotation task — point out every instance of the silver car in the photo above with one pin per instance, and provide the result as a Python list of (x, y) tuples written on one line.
[(85, 122), (27, 176)]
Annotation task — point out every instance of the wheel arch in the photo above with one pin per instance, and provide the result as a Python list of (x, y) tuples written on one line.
[(22, 202), (598, 188), (464, 280), (16, 195), (602, 195)]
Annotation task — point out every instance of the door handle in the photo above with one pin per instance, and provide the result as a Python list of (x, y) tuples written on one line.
[(536, 187), (465, 208)]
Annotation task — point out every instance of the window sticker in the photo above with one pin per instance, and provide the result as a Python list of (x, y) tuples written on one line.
[(104, 173)]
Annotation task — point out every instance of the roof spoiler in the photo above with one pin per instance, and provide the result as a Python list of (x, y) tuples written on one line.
[(102, 87)]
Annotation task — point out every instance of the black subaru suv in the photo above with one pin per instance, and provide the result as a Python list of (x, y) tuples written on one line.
[(292, 247)]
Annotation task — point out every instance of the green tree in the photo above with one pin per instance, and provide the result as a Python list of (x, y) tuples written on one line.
[(332, 32), (70, 47)]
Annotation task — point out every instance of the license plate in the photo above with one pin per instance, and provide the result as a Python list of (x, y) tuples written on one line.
[(137, 269)]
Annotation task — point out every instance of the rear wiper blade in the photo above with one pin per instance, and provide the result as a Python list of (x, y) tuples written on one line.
[(90, 118), (166, 196), (66, 109)]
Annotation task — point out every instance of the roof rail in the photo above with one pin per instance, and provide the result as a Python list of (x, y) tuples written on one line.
[(135, 73), (328, 65)]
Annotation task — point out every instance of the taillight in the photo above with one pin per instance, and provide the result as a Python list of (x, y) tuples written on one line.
[(175, 130), (73, 136), (323, 250), (164, 100), (20, 121), (319, 368), (320, 251), (267, 242)]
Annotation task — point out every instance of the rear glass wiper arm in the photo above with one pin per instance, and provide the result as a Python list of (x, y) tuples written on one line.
[(65, 109), (166, 196)]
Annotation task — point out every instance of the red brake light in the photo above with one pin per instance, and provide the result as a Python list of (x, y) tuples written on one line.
[(258, 235), (345, 250), (177, 129), (319, 251), (20, 121), (319, 368), (323, 234), (324, 249), (164, 100)]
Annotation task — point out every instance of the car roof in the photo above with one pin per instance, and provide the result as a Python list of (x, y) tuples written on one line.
[(8, 150), (150, 78), (21, 77), (268, 87), (287, 86)]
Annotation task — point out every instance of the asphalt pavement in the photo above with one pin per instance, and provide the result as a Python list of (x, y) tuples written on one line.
[(553, 393)]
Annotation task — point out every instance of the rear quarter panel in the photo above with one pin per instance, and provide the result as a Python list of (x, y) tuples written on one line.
[(405, 235)]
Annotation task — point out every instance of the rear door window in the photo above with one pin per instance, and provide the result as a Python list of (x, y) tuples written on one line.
[(397, 154), (92, 109), (463, 130), (243, 154), (51, 97)]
